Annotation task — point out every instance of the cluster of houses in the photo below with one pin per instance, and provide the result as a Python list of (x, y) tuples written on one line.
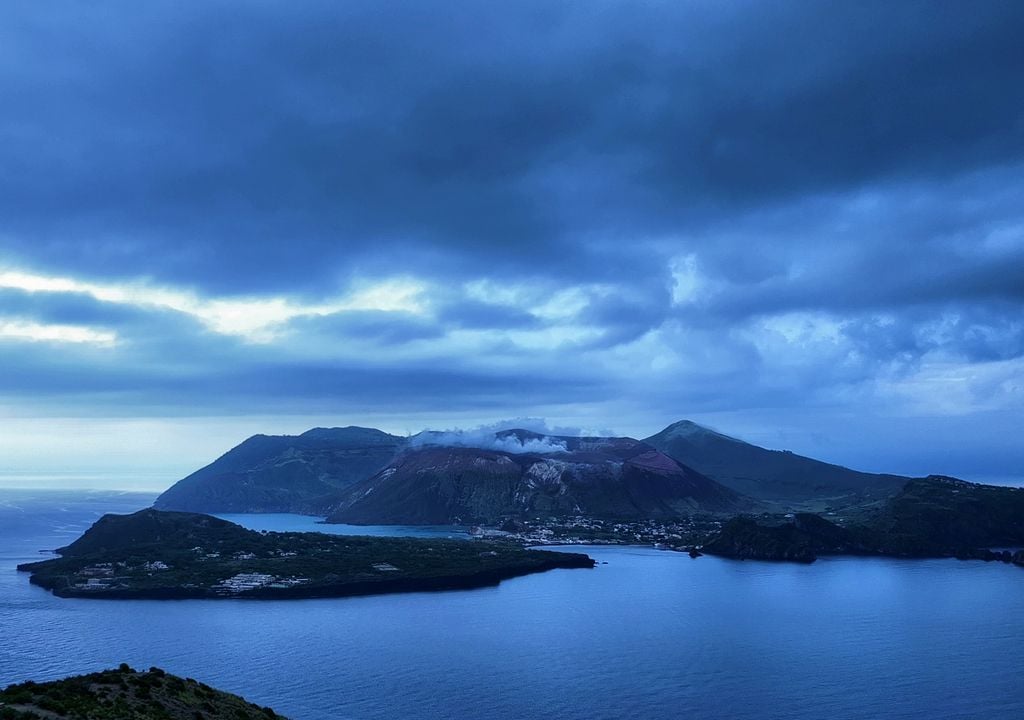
[(102, 576), (94, 584), (201, 552), (592, 531), (245, 582)]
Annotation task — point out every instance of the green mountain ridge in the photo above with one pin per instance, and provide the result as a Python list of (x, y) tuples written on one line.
[(284, 473), (791, 480)]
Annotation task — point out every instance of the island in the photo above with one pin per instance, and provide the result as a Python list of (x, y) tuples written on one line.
[(155, 554), (933, 517), (126, 693)]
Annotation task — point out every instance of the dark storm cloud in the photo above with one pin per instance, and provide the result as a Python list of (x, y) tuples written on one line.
[(146, 379), (627, 316), (388, 328), (381, 387), (880, 279), (913, 253), (475, 314), (245, 147), (974, 334), (638, 210), (67, 309)]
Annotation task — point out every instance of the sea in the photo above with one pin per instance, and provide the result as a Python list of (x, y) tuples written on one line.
[(646, 634)]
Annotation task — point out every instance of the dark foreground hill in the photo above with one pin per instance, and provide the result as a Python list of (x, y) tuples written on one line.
[(592, 476), (284, 473), (931, 517), (153, 554), (772, 475), (125, 693)]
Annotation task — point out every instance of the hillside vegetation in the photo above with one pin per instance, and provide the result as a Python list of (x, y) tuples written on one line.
[(170, 555), (125, 694), (284, 473), (790, 480), (933, 517)]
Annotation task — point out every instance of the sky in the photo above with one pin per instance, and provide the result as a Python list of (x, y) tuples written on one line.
[(800, 223)]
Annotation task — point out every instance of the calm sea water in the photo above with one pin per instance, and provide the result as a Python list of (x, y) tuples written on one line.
[(650, 634)]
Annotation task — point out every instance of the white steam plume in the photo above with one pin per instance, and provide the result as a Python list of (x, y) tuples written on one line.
[(488, 437)]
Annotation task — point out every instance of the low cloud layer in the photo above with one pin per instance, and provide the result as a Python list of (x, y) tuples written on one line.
[(490, 441), (494, 436)]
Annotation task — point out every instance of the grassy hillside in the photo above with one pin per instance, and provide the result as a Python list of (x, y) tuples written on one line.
[(125, 693), (780, 476), (284, 473), (931, 517), (944, 516)]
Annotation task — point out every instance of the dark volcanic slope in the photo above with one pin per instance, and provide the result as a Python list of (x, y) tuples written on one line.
[(769, 474), (599, 477), (284, 473), (125, 693)]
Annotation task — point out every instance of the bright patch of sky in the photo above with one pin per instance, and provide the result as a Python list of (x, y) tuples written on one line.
[(256, 319), (36, 332)]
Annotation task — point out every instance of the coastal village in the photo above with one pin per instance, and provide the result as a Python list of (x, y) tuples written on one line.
[(120, 575), (676, 534), (246, 582)]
